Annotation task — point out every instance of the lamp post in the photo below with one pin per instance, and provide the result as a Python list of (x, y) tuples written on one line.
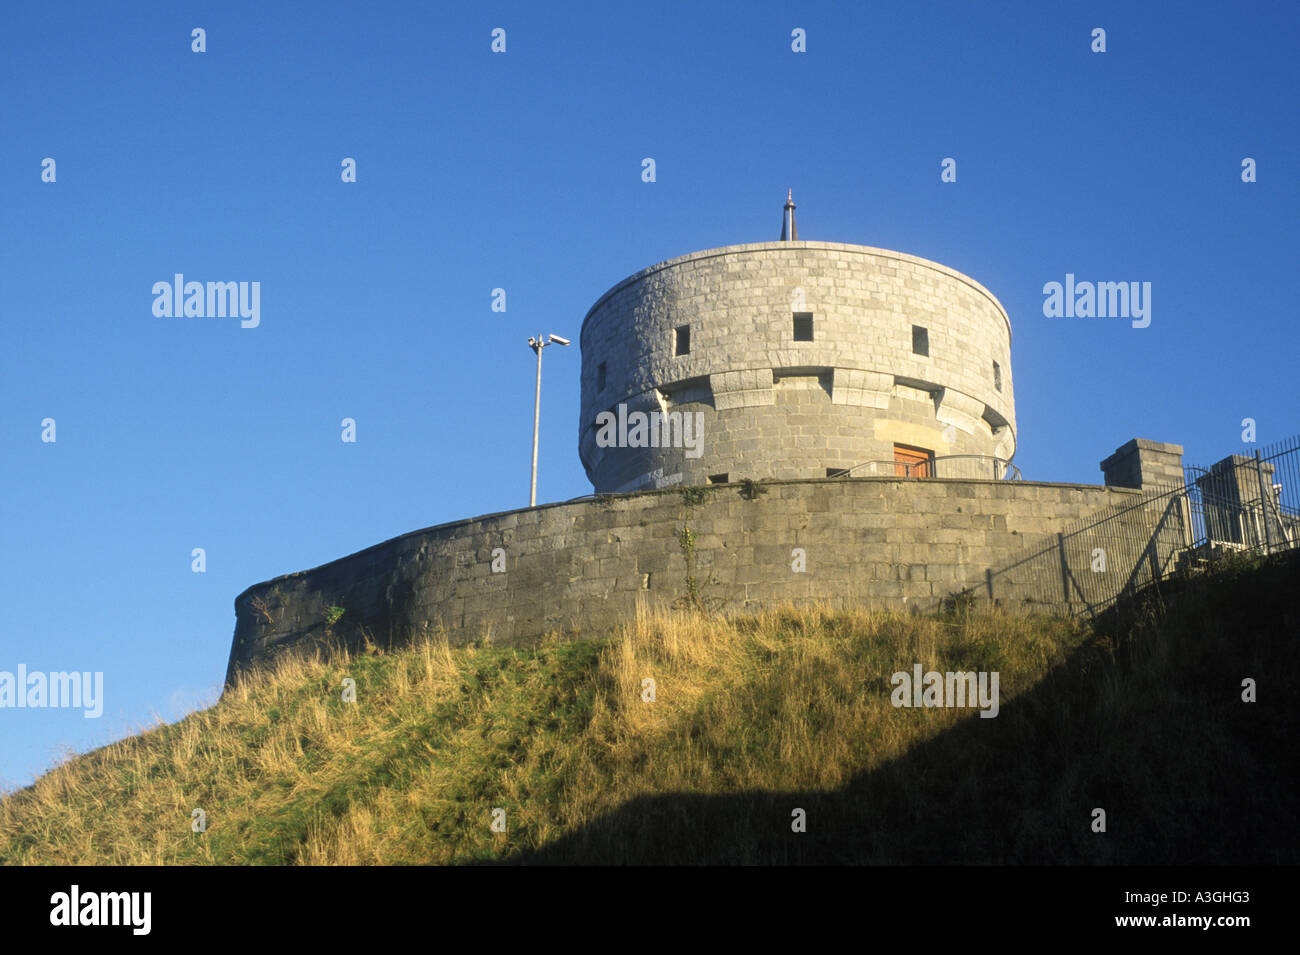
[(536, 344)]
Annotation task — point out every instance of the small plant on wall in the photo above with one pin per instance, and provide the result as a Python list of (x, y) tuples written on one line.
[(262, 610), (694, 598), (694, 496), (332, 616)]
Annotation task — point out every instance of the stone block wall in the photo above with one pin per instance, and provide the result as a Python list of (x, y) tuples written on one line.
[(1088, 563), (579, 569)]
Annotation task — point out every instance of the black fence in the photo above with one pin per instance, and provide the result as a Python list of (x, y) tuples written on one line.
[(1243, 503)]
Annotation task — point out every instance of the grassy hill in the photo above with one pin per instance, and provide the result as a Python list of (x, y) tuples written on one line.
[(753, 717)]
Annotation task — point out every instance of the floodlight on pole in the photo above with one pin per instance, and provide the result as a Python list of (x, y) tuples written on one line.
[(537, 344)]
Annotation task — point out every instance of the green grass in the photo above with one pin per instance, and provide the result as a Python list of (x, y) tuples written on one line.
[(754, 717)]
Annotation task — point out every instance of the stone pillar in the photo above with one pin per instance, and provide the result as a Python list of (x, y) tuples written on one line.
[(1144, 464), (1230, 495)]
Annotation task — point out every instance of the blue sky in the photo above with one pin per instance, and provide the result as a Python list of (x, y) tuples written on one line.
[(522, 170)]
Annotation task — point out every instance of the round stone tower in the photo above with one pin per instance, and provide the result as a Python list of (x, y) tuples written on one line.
[(794, 359)]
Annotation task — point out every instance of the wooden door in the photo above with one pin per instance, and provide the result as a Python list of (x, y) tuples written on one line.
[(913, 462)]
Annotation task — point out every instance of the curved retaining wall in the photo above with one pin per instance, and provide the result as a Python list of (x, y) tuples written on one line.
[(580, 568), (777, 407)]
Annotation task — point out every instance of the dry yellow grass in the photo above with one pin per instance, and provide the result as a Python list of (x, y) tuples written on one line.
[(752, 717), (285, 771)]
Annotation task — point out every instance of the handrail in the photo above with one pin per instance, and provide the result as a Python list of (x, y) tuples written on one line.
[(999, 469)]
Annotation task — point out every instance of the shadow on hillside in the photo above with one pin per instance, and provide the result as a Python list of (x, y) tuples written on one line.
[(1186, 772)]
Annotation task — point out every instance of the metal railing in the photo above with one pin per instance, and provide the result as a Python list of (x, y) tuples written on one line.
[(970, 466), (1236, 505), (1239, 505)]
